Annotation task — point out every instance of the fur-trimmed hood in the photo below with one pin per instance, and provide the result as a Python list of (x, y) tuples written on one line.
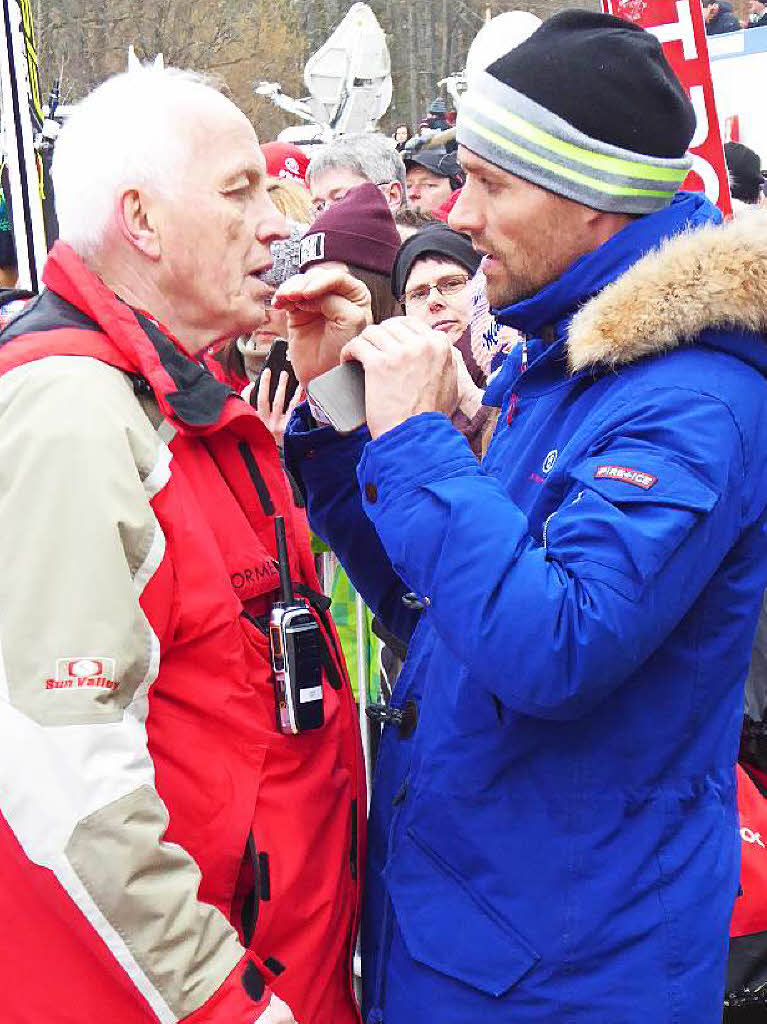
[(712, 277)]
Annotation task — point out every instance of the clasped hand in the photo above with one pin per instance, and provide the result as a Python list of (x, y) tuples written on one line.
[(409, 369)]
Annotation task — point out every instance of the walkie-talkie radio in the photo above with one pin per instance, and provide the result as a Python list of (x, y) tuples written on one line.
[(296, 644)]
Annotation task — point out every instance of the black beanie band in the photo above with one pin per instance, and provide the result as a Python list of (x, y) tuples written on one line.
[(636, 98), (440, 241)]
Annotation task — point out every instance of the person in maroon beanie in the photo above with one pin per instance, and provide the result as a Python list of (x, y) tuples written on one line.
[(356, 235)]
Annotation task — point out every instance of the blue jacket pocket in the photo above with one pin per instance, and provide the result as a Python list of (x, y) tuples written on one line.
[(449, 928), (629, 514)]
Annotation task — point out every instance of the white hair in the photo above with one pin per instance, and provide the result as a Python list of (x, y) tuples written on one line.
[(368, 154), (123, 134)]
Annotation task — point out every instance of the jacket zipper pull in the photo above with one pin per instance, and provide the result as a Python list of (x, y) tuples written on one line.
[(512, 408)]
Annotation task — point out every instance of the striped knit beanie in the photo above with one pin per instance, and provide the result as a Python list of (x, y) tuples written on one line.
[(587, 107)]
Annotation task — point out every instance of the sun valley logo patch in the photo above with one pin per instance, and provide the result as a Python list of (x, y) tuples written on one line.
[(76, 673), (628, 476)]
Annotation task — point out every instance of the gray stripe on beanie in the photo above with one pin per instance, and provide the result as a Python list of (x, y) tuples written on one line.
[(561, 186), (594, 197), (485, 132), (609, 177)]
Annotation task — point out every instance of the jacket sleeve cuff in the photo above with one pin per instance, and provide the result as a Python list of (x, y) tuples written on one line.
[(420, 450), (241, 999), (317, 456)]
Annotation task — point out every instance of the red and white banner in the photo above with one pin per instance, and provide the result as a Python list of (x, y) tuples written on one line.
[(678, 26)]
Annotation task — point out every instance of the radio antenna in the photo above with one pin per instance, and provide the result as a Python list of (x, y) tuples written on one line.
[(283, 566)]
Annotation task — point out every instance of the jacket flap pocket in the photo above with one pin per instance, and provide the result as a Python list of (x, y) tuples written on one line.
[(448, 927), (635, 475), (630, 511)]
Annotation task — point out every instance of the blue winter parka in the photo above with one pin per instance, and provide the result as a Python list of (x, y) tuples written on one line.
[(556, 840)]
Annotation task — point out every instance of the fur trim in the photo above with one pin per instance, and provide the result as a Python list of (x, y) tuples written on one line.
[(710, 277)]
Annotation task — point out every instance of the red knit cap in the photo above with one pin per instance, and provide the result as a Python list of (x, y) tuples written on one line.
[(359, 230), (283, 160)]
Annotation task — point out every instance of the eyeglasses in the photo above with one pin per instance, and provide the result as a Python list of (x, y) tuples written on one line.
[(448, 285), (320, 205)]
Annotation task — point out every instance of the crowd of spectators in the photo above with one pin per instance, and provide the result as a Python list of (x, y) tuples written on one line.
[(555, 514), (720, 18)]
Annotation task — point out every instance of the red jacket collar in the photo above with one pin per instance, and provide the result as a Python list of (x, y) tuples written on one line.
[(131, 341)]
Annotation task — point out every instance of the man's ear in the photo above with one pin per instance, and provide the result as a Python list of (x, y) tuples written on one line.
[(394, 195), (137, 224)]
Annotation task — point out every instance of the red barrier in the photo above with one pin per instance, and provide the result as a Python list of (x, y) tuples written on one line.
[(679, 27)]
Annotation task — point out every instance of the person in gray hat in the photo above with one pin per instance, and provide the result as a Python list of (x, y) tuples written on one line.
[(432, 175)]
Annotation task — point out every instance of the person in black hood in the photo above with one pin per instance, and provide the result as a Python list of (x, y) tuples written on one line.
[(719, 17), (431, 277), (744, 173)]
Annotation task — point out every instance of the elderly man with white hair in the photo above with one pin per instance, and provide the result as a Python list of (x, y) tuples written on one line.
[(167, 853)]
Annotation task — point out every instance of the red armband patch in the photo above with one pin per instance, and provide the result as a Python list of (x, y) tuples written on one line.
[(627, 476)]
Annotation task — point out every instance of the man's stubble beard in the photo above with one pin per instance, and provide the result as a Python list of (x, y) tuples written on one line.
[(555, 246), (520, 279)]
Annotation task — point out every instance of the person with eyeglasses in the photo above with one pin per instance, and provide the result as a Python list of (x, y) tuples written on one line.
[(352, 160), (431, 278)]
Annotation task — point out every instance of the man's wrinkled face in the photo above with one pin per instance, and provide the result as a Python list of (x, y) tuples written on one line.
[(527, 235), (426, 192), (216, 226)]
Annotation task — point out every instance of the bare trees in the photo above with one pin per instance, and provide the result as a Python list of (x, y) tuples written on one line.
[(247, 40)]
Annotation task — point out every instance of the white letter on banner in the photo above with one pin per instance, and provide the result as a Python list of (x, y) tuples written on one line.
[(698, 100), (708, 176), (680, 30)]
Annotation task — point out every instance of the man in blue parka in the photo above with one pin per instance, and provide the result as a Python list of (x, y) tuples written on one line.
[(553, 831)]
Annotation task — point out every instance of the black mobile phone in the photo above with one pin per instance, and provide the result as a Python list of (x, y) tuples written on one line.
[(277, 361)]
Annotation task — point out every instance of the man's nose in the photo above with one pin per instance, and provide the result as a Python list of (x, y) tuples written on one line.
[(465, 215), (435, 300)]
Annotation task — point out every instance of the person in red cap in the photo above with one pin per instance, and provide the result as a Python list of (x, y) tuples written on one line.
[(284, 160)]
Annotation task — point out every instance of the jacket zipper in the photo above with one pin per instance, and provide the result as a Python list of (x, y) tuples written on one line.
[(385, 930), (258, 481), (251, 905)]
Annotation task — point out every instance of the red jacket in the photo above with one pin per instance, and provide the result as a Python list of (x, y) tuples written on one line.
[(166, 854)]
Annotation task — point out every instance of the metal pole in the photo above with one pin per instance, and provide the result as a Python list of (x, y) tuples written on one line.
[(362, 684), (28, 226)]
